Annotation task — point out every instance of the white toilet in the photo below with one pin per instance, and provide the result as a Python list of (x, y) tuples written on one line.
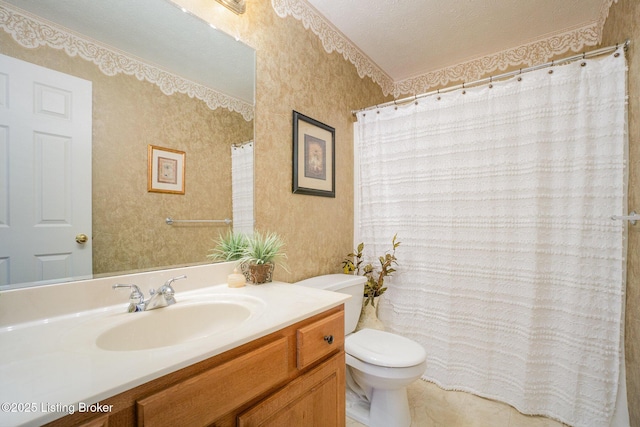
[(380, 365)]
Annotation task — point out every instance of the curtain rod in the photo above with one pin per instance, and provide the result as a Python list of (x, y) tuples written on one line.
[(584, 55), (241, 144)]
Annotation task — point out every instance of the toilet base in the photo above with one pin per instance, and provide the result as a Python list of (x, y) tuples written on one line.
[(357, 408), (390, 408)]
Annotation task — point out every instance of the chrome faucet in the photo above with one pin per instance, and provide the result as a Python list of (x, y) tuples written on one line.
[(163, 297)]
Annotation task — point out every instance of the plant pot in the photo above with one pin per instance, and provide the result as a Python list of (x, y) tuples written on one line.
[(258, 273), (369, 316)]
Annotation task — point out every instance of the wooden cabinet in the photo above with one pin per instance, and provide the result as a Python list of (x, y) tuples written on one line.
[(295, 376)]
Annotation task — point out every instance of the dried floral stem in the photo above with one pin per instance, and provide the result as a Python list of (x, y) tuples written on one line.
[(375, 280)]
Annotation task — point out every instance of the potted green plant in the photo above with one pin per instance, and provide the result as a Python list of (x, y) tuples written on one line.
[(230, 247), (260, 256), (375, 278)]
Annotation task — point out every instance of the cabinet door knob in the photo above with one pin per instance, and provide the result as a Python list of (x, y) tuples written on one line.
[(329, 339)]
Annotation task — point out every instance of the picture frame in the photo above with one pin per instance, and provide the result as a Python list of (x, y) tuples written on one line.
[(313, 157), (166, 170)]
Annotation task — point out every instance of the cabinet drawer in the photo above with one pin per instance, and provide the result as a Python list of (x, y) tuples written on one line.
[(202, 399), (319, 339)]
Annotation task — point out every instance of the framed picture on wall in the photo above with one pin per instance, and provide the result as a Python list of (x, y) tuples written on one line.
[(313, 157), (166, 170)]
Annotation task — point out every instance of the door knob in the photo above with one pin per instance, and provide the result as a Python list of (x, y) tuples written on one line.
[(81, 238)]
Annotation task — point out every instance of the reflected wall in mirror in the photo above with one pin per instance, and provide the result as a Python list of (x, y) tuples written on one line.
[(129, 232)]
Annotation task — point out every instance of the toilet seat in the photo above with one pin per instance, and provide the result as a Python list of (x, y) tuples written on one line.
[(384, 349)]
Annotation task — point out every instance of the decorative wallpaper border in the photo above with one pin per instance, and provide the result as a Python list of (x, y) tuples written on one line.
[(332, 39), (536, 52), (32, 32)]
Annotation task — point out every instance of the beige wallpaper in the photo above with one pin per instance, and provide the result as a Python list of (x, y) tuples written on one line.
[(129, 231), (131, 226), (319, 230)]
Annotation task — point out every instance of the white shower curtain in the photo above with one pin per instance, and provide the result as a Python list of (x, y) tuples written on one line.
[(511, 272), (242, 187)]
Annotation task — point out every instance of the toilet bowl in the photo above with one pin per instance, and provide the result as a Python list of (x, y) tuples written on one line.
[(380, 365)]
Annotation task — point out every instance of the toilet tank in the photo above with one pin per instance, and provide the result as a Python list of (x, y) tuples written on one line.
[(345, 284)]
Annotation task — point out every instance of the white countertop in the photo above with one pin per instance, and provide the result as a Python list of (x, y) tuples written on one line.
[(50, 367)]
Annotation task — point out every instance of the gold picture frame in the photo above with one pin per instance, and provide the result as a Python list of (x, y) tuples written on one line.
[(166, 170)]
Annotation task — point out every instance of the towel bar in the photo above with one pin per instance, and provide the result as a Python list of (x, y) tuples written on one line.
[(171, 221)]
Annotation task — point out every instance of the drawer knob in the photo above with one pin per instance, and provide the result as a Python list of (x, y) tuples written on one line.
[(329, 339)]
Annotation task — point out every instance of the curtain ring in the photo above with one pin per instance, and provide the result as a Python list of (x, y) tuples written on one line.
[(615, 55), (490, 82)]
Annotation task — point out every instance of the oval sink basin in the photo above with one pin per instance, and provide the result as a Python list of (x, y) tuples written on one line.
[(176, 324)]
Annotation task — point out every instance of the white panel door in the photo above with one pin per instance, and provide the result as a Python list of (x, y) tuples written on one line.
[(45, 174)]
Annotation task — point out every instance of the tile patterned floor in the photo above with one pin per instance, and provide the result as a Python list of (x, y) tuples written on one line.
[(433, 407)]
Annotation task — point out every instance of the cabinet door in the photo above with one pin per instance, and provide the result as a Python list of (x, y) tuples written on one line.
[(315, 399), (200, 400)]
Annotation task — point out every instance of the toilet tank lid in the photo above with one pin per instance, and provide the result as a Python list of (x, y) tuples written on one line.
[(332, 282)]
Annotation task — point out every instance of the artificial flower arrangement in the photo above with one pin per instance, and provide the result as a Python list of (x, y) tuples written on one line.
[(375, 279)]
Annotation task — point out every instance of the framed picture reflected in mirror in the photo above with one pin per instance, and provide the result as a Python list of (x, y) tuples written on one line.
[(166, 170)]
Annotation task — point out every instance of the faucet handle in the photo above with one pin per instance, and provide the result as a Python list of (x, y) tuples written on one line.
[(136, 298), (168, 291), (170, 281)]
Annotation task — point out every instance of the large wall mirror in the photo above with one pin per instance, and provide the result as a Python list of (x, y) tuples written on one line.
[(159, 78)]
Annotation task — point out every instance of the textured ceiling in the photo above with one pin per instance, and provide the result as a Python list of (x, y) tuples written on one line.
[(410, 38)]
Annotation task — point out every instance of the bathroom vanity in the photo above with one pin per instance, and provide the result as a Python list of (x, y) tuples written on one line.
[(283, 362), (291, 374)]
